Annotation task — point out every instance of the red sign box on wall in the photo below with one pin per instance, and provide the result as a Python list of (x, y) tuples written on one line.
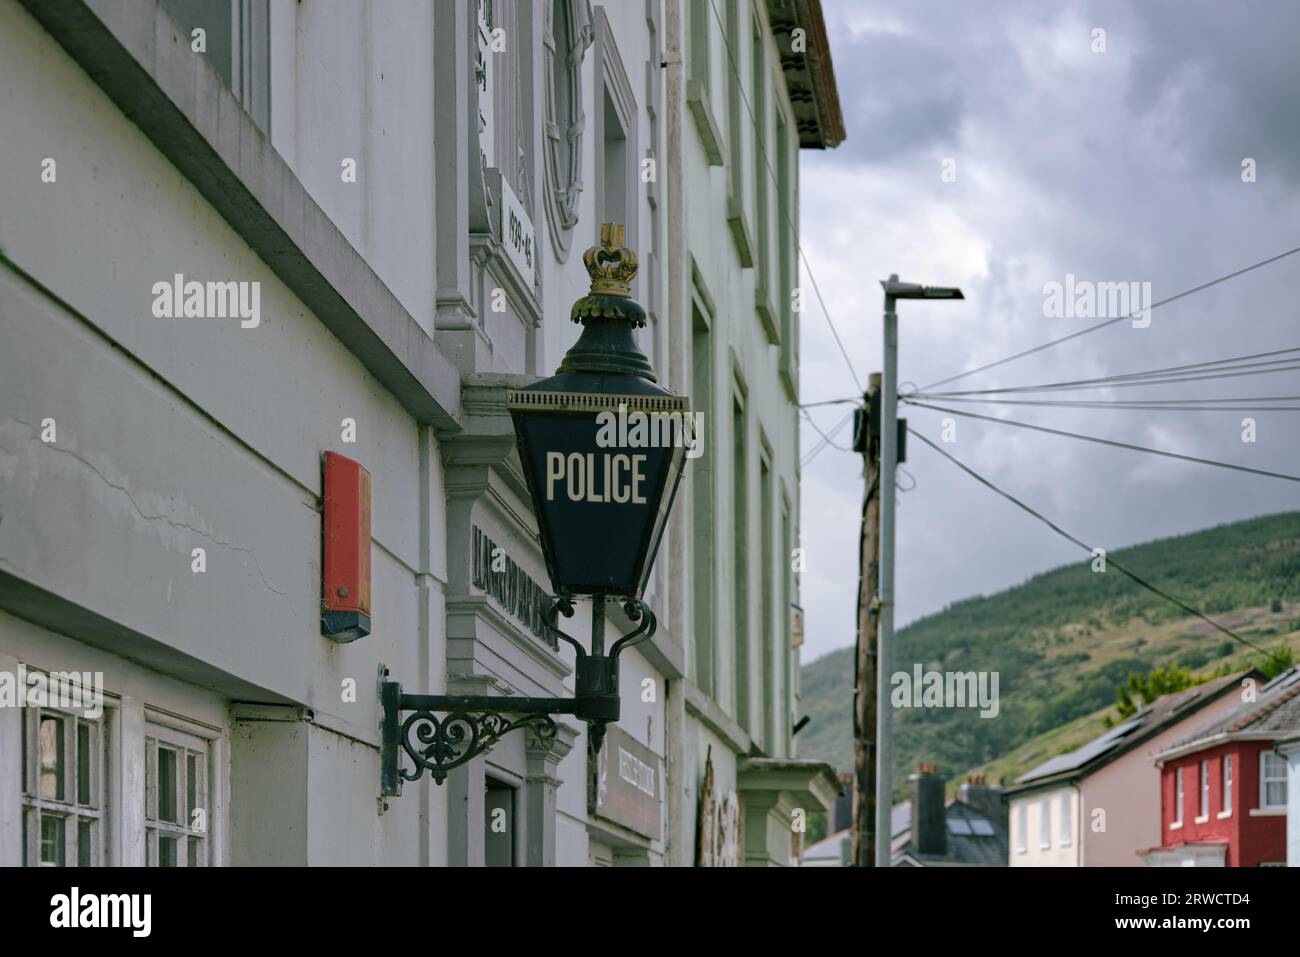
[(345, 598)]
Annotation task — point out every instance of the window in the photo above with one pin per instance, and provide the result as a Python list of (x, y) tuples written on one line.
[(698, 40), (1022, 827), (498, 824), (735, 107), (699, 82), (767, 509), (618, 181), (1178, 797), (758, 78), (1227, 784), (63, 769), (786, 631), (1044, 823), (704, 516), (508, 140), (740, 563), (1272, 781), (736, 111), (614, 203), (785, 249), (567, 37), (1067, 824), (1204, 812), (505, 108), (176, 797), (236, 37)]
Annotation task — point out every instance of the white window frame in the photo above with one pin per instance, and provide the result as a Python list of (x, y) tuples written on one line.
[(1044, 822), (1178, 799), (186, 742), (1067, 821), (1265, 779), (70, 809), (1022, 827), (1226, 771), (1203, 801)]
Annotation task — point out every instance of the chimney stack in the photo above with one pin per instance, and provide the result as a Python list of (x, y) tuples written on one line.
[(983, 797), (929, 816)]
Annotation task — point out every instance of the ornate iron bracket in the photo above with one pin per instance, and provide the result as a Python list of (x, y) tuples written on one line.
[(469, 725)]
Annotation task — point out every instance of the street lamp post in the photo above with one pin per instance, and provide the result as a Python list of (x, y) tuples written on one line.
[(894, 290), (602, 448)]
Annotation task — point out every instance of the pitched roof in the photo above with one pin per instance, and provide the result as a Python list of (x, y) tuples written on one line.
[(1275, 712), (1163, 713)]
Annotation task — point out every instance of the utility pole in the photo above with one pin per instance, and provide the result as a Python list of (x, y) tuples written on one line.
[(867, 441), (894, 290)]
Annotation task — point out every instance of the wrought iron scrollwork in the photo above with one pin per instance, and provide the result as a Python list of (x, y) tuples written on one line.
[(440, 733), (440, 744)]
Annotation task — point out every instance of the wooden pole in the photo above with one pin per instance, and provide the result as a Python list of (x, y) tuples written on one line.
[(863, 853)]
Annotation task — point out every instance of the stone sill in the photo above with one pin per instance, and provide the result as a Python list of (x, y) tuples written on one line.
[(705, 123)]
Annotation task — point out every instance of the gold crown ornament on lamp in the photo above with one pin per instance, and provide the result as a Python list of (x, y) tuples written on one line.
[(608, 313), (612, 265)]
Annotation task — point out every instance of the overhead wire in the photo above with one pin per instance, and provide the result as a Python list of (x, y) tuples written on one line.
[(1144, 374), (1111, 442), (1110, 560), (1171, 405), (1110, 322), (817, 429), (826, 439), (1110, 382)]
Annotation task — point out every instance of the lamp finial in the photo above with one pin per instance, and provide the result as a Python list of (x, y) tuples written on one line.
[(611, 265)]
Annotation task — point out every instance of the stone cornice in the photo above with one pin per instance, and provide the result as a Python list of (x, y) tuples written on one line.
[(809, 73)]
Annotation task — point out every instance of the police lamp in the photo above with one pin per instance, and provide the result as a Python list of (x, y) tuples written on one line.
[(602, 447), (601, 443)]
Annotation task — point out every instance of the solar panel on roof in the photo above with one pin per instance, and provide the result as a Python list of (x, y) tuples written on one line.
[(982, 828), (959, 825)]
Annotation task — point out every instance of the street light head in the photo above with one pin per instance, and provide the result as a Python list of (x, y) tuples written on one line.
[(911, 290)]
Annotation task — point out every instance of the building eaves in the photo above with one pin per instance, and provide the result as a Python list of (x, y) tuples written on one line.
[(809, 71)]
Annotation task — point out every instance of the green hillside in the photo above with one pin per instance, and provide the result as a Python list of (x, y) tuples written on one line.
[(1064, 640)]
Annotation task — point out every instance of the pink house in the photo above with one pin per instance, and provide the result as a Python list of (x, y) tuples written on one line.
[(1099, 805)]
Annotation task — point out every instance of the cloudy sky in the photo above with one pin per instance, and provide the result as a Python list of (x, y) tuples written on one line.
[(1122, 165)]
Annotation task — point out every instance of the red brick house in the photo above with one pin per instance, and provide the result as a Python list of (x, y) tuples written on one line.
[(1224, 789)]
